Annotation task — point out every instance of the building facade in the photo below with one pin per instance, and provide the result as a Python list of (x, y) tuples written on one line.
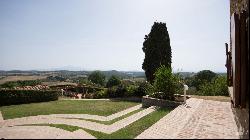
[(237, 64)]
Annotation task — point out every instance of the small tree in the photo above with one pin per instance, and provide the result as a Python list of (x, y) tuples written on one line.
[(113, 81), (97, 77), (157, 50), (165, 84)]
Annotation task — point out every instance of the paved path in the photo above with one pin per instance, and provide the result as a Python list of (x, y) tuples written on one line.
[(42, 132), (87, 99), (1, 117), (201, 119), (47, 119)]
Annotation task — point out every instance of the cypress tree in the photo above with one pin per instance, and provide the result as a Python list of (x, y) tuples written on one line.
[(157, 49)]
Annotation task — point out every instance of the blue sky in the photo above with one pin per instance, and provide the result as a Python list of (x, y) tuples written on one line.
[(108, 34)]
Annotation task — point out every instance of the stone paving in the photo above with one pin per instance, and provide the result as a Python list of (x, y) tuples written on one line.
[(87, 99), (198, 119), (108, 129), (1, 117), (42, 132)]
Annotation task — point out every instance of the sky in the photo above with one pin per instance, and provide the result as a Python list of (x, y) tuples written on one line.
[(109, 34)]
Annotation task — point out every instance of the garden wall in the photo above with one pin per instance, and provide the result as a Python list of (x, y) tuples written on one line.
[(148, 101)]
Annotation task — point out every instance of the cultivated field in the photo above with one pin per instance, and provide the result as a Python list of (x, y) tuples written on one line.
[(21, 78), (58, 83)]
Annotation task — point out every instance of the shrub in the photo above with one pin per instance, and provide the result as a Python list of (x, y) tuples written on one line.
[(111, 92), (217, 87), (100, 94), (113, 81), (165, 84), (144, 88), (117, 91), (11, 97), (121, 90), (131, 90), (19, 83)]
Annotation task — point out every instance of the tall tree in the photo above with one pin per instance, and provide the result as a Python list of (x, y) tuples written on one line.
[(157, 49)]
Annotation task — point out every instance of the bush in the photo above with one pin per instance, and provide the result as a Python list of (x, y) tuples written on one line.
[(218, 87), (117, 91), (113, 81), (165, 84), (19, 83), (121, 90), (131, 90), (100, 94), (11, 97), (144, 88)]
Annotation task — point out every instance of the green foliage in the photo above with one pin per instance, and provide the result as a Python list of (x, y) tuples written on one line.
[(190, 81), (97, 77), (13, 84), (55, 78), (113, 81), (111, 92), (121, 90), (131, 90), (202, 77), (217, 87), (165, 84), (157, 49), (144, 88), (11, 97), (101, 94)]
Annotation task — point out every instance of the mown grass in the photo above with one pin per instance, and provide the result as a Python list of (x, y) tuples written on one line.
[(128, 132), (116, 119), (103, 108)]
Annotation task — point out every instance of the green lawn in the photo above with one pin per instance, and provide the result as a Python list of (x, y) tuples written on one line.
[(103, 108), (116, 119), (129, 132)]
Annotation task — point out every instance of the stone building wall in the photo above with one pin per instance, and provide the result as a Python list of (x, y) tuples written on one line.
[(241, 114)]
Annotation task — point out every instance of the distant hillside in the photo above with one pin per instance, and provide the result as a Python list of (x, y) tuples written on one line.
[(123, 74), (70, 74)]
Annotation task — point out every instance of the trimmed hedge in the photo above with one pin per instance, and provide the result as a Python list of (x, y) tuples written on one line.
[(12, 97), (12, 84)]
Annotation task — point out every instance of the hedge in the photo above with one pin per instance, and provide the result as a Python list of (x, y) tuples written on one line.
[(12, 97)]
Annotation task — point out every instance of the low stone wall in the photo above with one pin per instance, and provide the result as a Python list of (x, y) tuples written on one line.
[(131, 99), (148, 101)]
